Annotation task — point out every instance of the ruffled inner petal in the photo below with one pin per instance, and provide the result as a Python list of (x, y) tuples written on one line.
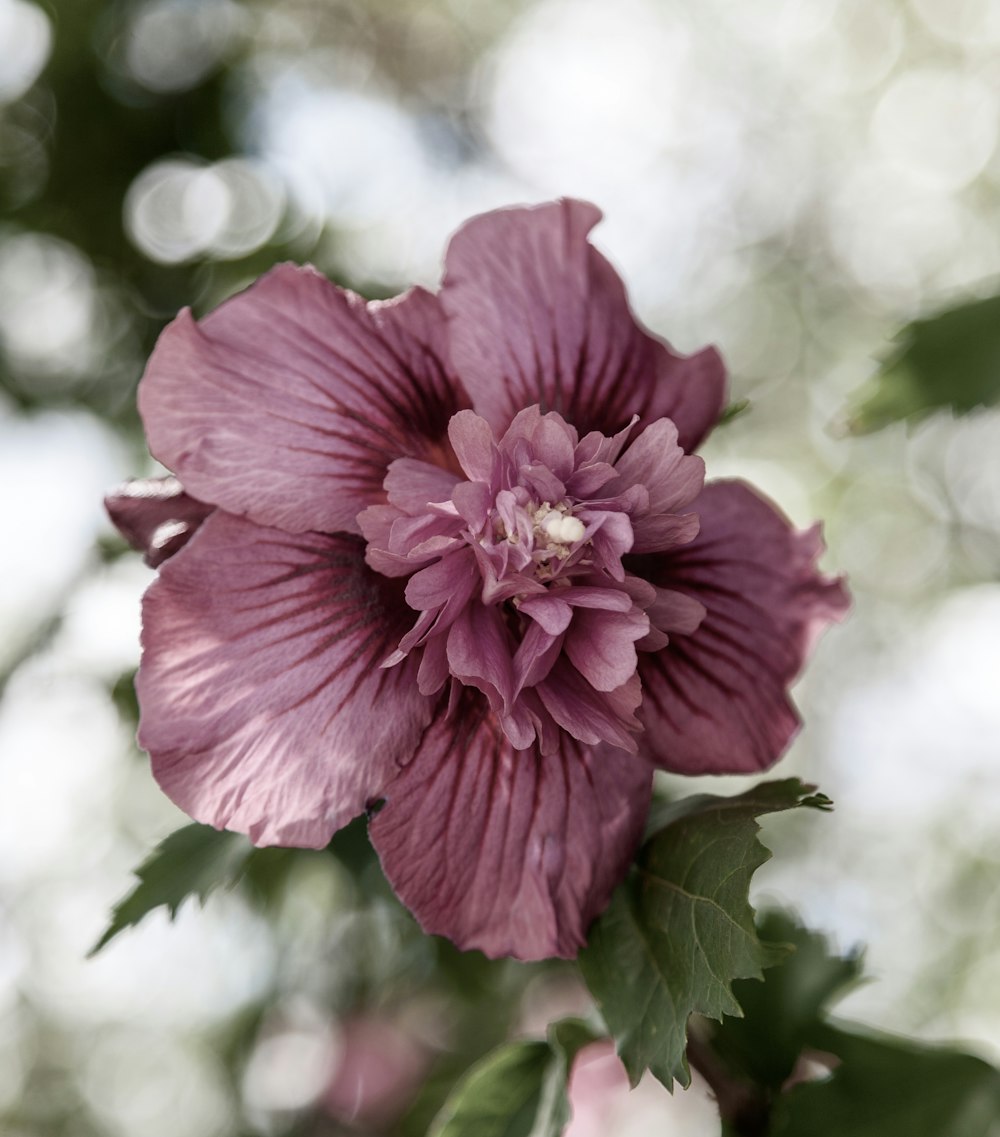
[(480, 653), (550, 636), (601, 645), (671, 480), (570, 700), (410, 484)]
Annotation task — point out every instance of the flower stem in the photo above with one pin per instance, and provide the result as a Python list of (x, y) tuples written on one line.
[(744, 1108)]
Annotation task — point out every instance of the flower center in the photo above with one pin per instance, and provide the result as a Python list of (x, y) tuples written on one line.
[(555, 530), (538, 539), (516, 572)]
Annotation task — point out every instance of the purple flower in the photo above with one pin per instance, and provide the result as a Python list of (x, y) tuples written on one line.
[(453, 552)]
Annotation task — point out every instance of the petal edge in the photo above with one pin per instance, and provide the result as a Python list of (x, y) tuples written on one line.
[(538, 315), (715, 700)]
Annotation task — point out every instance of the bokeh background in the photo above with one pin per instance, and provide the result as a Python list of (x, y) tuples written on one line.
[(792, 180)]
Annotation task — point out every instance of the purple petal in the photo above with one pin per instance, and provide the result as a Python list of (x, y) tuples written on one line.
[(536, 653), (479, 652), (554, 442), (594, 596), (716, 700), (505, 850), (155, 516), (447, 587), (601, 645), (549, 611), (472, 441), (473, 502), (397, 543), (539, 316), (411, 484), (542, 483), (263, 706), (452, 579), (664, 531), (289, 402), (672, 480), (587, 716), (670, 612), (433, 673)]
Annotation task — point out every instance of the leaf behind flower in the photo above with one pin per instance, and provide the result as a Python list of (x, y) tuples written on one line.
[(192, 861), (951, 360), (198, 859), (886, 1086), (680, 929), (518, 1090)]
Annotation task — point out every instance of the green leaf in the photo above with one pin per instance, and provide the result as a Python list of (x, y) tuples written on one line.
[(123, 697), (500, 1096), (782, 1013), (190, 862), (733, 411), (680, 929), (566, 1039), (519, 1090), (949, 360), (197, 859), (891, 1087)]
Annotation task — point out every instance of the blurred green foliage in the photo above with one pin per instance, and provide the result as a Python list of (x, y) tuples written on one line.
[(517, 1091), (883, 1086), (950, 361), (815, 1077), (98, 132)]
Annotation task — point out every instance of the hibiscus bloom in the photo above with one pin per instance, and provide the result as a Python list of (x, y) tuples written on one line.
[(452, 554)]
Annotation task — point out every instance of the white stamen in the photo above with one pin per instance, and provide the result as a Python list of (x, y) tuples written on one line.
[(563, 528)]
